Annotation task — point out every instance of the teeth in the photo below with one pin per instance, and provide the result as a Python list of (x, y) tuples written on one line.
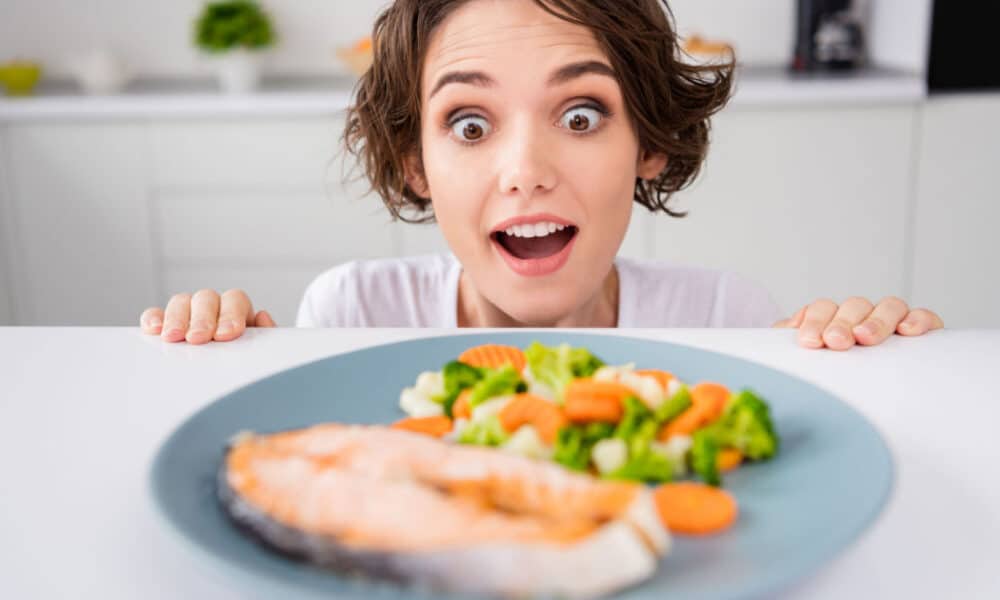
[(529, 230)]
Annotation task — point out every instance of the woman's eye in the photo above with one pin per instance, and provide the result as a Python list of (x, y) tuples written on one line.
[(581, 118), (470, 129)]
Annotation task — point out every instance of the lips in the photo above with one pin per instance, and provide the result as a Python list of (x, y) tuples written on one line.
[(534, 245)]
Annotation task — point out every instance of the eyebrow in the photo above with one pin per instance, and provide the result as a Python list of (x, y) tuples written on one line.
[(562, 75)]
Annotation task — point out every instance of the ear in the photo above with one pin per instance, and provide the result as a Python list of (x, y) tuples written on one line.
[(650, 164), (413, 173)]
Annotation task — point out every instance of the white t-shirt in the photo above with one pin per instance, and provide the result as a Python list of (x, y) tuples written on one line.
[(422, 291)]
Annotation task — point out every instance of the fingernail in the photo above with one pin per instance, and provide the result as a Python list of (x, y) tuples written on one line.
[(837, 334), (867, 328), (225, 327), (810, 339), (199, 327), (173, 333), (154, 322)]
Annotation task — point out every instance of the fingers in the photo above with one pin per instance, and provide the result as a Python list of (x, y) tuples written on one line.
[(264, 319), (792, 322), (235, 314), (151, 320), (204, 316), (839, 334), (882, 321), (817, 316), (176, 318), (919, 322)]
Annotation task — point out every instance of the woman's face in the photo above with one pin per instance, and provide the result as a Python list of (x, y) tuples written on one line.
[(528, 156)]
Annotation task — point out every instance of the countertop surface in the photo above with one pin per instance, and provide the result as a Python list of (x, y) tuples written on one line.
[(85, 409), (756, 86)]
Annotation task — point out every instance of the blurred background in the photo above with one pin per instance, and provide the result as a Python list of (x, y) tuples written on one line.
[(148, 148)]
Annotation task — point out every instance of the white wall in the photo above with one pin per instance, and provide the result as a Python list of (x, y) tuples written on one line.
[(155, 35)]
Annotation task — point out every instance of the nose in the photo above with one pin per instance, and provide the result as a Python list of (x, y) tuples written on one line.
[(526, 167)]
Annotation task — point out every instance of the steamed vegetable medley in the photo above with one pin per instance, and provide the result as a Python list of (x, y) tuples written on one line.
[(566, 405)]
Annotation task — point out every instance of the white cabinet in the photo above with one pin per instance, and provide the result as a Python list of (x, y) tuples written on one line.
[(809, 202), (6, 244), (258, 204), (100, 219), (956, 259), (80, 219)]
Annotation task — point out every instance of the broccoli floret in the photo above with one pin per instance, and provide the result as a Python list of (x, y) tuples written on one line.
[(574, 443), (746, 426), (648, 466), (635, 413), (704, 456), (638, 428), (457, 376), (674, 405), (488, 432), (496, 382), (556, 367)]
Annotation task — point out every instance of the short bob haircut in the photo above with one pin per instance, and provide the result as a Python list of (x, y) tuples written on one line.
[(668, 101)]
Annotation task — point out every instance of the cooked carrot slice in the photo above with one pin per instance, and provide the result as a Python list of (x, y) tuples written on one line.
[(729, 459), (662, 377), (462, 409), (713, 395), (494, 356), (437, 426), (687, 507), (708, 402), (586, 400), (529, 409)]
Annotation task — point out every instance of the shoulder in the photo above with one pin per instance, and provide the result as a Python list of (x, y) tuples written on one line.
[(385, 292), (662, 294)]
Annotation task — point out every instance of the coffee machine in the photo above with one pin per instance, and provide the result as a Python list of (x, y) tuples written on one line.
[(829, 35)]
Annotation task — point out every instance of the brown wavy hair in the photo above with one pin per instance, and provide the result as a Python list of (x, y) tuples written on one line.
[(669, 101)]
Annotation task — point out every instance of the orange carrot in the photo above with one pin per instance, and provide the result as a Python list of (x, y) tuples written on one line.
[(438, 426), (461, 409), (729, 459), (494, 356), (687, 507), (708, 401), (528, 409), (713, 395), (586, 400), (662, 377)]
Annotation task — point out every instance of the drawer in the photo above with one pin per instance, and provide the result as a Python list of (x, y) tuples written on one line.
[(233, 225), (279, 152)]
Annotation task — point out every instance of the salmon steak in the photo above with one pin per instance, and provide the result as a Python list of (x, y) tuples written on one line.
[(396, 505)]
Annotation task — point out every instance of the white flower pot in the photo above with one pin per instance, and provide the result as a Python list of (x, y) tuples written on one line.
[(239, 71)]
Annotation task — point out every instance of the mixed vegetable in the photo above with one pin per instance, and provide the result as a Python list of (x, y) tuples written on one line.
[(565, 404)]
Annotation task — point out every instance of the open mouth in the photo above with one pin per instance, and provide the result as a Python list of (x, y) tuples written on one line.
[(525, 243), (537, 248)]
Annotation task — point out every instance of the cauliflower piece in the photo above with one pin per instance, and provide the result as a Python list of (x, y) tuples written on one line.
[(609, 455), (527, 442)]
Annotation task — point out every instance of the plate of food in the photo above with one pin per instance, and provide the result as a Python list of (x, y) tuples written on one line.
[(527, 464)]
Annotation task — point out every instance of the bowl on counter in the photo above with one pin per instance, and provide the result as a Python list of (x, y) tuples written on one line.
[(19, 78)]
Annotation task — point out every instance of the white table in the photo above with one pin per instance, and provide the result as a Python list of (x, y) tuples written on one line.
[(85, 409)]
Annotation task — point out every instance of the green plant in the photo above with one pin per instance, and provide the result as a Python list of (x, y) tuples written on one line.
[(233, 24)]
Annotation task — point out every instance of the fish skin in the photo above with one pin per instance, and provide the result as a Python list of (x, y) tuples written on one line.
[(505, 568)]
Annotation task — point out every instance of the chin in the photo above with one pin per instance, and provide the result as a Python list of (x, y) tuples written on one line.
[(542, 307)]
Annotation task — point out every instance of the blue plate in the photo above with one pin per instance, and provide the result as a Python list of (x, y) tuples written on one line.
[(829, 481)]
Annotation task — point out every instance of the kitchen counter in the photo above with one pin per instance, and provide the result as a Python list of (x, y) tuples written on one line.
[(311, 96), (85, 409)]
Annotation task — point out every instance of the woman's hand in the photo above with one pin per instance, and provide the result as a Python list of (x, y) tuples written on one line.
[(204, 316), (825, 324)]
